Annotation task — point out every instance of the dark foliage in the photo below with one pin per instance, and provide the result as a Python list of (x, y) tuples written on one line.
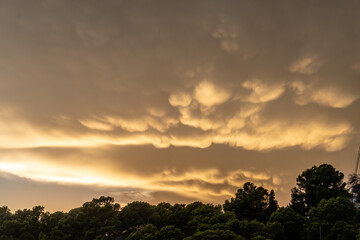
[(252, 202), (315, 184)]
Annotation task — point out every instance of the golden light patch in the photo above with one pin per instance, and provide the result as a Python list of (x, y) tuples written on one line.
[(330, 96), (333, 97), (180, 99), (262, 92), (156, 112), (208, 94), (48, 172), (198, 142), (202, 122)]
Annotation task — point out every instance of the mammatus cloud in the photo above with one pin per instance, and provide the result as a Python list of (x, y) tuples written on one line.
[(306, 65), (208, 94), (228, 39), (142, 124), (155, 120), (328, 95), (180, 99), (261, 91)]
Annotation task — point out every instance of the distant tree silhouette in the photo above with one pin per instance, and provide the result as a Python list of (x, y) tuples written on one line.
[(136, 215), (290, 220), (252, 202), (336, 217), (273, 204), (315, 184)]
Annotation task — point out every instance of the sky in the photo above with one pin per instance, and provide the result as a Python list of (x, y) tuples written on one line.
[(173, 101)]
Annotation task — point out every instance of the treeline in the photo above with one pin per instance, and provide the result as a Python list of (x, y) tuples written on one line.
[(322, 207)]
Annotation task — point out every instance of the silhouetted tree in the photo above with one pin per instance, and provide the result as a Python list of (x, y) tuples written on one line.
[(147, 232), (251, 202), (215, 235), (170, 233), (97, 219), (200, 214), (273, 204), (290, 220), (138, 214), (315, 184), (335, 218)]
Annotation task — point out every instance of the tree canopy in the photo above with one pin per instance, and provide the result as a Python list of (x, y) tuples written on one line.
[(315, 184), (252, 202)]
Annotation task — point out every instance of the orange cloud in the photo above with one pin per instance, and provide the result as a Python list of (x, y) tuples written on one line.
[(328, 96), (262, 92), (180, 99), (208, 94)]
